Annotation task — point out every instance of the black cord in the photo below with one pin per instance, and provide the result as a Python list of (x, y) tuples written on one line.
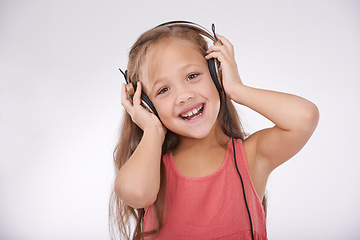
[(241, 180), (125, 75)]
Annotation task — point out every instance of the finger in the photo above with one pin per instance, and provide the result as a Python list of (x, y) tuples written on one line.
[(213, 48), (226, 43), (137, 95), (123, 93), (124, 98), (224, 40), (218, 55), (218, 48), (229, 50)]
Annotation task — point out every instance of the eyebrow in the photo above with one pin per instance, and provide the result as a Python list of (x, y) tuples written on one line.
[(159, 80)]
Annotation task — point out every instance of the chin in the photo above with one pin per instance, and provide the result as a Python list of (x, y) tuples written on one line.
[(195, 134)]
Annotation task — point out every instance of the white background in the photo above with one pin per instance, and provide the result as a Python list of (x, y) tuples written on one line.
[(60, 107)]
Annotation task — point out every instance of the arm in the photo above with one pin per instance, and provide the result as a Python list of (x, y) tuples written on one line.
[(137, 182), (295, 118)]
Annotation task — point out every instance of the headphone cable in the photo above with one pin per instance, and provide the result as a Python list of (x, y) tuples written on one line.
[(237, 169)]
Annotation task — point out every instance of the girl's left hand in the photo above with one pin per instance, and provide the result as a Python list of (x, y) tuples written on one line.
[(224, 53)]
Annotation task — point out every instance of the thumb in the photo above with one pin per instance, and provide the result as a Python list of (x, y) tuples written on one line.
[(137, 95)]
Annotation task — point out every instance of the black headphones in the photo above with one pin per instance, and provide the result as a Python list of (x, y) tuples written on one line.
[(213, 64), (215, 72)]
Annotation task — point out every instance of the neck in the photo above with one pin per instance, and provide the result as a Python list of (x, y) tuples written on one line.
[(216, 138)]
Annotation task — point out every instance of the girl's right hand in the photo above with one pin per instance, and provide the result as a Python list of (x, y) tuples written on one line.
[(139, 115)]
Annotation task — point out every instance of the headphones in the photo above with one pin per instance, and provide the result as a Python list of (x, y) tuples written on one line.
[(213, 64), (215, 72)]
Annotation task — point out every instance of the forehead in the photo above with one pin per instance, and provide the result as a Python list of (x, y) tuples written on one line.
[(167, 54)]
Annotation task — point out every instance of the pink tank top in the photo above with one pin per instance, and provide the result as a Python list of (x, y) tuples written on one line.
[(210, 207)]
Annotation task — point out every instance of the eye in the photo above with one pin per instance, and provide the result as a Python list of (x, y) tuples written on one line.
[(191, 76), (163, 90)]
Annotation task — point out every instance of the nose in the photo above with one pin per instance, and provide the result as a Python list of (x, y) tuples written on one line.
[(185, 94)]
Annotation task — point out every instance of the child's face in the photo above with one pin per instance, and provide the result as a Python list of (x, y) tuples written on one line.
[(182, 90)]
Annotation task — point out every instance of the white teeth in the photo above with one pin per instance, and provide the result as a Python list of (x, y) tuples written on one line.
[(195, 116), (191, 112)]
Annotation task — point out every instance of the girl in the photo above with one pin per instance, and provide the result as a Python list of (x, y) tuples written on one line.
[(175, 171)]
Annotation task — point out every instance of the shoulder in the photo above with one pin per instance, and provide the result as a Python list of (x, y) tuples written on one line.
[(247, 147)]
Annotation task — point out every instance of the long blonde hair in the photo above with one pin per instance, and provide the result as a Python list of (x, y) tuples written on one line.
[(120, 214)]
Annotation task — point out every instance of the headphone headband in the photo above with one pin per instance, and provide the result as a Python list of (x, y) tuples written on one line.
[(203, 31)]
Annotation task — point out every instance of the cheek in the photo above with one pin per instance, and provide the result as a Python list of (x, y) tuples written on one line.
[(164, 109), (217, 106), (211, 91), (209, 84), (214, 97)]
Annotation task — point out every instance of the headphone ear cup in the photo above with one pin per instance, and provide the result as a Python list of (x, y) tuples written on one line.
[(146, 102), (215, 73)]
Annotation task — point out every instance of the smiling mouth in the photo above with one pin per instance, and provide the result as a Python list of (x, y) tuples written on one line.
[(192, 114)]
